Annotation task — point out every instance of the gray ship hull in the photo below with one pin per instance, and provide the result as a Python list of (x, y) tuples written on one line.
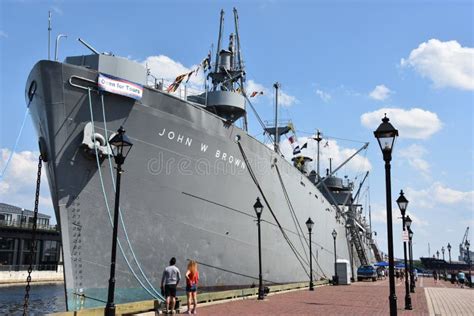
[(186, 192)]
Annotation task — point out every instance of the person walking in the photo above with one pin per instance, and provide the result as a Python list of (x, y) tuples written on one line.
[(192, 279), (461, 278), (435, 276), (169, 281)]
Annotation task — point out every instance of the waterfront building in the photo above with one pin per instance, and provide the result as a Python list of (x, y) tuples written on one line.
[(15, 239)]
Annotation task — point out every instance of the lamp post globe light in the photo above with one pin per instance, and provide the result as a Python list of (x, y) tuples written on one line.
[(121, 146), (408, 222), (437, 254), (336, 278), (258, 207), (309, 225), (449, 251), (386, 135), (402, 205), (442, 251)]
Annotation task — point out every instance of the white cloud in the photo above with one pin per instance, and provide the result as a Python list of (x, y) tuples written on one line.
[(379, 215), (328, 149), (3, 34), (57, 10), (380, 93), (285, 99), (439, 193), (326, 97), (17, 187), (414, 155), (414, 123), (447, 64), (251, 86)]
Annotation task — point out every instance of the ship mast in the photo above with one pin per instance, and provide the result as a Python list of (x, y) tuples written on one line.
[(276, 85), (239, 60), (318, 139), (219, 39), (49, 35)]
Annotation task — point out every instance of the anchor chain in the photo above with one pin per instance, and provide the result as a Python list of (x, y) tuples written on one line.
[(33, 238)]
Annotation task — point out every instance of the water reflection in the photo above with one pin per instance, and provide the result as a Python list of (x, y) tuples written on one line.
[(46, 298)]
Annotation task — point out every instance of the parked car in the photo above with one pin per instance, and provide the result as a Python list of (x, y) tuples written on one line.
[(366, 272)]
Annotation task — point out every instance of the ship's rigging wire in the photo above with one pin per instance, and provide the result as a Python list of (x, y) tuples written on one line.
[(285, 236), (254, 111), (12, 152), (233, 272), (120, 209), (108, 208), (297, 223)]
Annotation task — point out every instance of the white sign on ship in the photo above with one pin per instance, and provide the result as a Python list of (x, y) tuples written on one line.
[(120, 86)]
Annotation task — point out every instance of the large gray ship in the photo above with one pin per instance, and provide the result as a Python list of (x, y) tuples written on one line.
[(190, 182)]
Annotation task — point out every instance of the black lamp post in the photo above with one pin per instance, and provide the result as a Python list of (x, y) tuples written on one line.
[(402, 205), (437, 254), (408, 222), (442, 251), (386, 135), (449, 251), (309, 224), (336, 278), (258, 207), (121, 146), (467, 244)]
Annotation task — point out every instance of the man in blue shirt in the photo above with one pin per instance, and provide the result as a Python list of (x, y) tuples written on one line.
[(170, 280)]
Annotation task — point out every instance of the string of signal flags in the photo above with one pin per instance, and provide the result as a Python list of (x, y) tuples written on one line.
[(205, 65)]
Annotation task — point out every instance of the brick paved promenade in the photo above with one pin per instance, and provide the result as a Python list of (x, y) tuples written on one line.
[(360, 298)]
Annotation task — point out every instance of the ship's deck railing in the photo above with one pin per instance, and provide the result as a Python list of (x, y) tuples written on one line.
[(184, 90), (282, 122), (27, 225)]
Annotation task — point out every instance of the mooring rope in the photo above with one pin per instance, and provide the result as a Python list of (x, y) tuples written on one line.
[(120, 209), (107, 205)]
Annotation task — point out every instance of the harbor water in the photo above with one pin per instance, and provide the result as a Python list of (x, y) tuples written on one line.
[(44, 299)]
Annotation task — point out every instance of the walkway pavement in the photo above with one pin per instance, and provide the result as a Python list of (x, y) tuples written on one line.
[(446, 301), (360, 298)]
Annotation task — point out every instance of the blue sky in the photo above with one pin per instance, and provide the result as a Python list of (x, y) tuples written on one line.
[(342, 64)]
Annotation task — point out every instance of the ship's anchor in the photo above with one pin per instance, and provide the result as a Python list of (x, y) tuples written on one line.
[(33, 238)]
